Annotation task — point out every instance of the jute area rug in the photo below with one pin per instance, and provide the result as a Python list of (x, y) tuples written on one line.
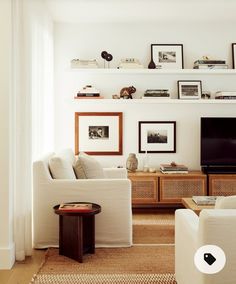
[(144, 262), (153, 228)]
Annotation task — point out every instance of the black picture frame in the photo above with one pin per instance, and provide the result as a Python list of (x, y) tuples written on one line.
[(233, 55), (149, 141), (167, 56), (189, 93)]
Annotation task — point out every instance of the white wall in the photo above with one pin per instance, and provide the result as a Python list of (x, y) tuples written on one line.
[(6, 200), (133, 40)]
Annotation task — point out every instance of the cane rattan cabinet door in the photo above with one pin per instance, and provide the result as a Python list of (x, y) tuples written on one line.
[(174, 187), (222, 184), (144, 189)]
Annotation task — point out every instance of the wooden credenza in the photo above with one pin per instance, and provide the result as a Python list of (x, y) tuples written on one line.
[(156, 189)]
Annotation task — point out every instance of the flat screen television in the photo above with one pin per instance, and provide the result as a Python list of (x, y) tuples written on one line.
[(218, 144)]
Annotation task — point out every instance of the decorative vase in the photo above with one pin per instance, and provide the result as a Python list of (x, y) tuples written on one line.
[(132, 163), (145, 162), (151, 65)]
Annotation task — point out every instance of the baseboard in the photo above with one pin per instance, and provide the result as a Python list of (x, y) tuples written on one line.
[(7, 257)]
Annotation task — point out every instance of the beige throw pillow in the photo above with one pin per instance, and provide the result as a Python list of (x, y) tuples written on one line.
[(86, 167), (61, 165)]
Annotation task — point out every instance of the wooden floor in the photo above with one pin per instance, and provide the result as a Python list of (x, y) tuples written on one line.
[(22, 272)]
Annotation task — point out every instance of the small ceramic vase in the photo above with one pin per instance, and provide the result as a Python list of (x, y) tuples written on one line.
[(132, 163), (151, 65)]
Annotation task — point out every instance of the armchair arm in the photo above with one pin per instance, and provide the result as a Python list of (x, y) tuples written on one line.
[(186, 232), (91, 184), (105, 191), (115, 172)]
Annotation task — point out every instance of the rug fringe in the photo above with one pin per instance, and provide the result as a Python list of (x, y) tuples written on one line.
[(40, 267)]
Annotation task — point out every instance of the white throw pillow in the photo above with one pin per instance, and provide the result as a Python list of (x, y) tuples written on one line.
[(68, 155), (86, 167), (228, 202), (61, 165)]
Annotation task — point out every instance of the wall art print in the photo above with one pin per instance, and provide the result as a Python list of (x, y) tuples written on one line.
[(99, 133), (157, 136)]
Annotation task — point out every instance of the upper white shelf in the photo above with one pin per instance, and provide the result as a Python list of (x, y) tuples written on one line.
[(155, 101), (144, 71)]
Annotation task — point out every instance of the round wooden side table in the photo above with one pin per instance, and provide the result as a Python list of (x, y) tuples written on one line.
[(77, 231)]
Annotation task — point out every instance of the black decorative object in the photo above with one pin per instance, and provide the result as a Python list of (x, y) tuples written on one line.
[(104, 54), (152, 64), (107, 57)]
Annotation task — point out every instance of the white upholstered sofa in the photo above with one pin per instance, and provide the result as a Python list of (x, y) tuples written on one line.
[(212, 227), (113, 193)]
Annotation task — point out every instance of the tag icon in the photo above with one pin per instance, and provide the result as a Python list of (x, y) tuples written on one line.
[(209, 258)]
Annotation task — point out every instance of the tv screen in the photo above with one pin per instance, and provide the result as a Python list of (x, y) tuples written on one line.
[(218, 141)]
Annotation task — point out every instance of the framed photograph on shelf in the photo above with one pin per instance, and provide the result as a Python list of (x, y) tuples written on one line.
[(189, 89), (234, 55), (99, 133), (157, 136), (167, 56)]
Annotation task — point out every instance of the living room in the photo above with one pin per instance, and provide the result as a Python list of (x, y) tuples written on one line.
[(39, 88)]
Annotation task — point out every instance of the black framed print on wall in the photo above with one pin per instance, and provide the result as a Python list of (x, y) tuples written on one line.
[(157, 136)]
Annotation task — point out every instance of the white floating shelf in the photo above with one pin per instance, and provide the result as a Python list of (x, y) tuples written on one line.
[(155, 101), (155, 71)]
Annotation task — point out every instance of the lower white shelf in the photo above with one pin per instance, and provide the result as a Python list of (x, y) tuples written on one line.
[(145, 71)]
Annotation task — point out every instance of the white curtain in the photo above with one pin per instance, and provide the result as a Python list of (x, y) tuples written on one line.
[(32, 105)]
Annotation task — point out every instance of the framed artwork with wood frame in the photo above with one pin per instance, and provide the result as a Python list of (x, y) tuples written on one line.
[(189, 89), (167, 56), (157, 136), (99, 133), (234, 55)]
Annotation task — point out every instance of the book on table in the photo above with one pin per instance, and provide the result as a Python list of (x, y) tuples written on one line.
[(76, 207), (205, 200), (174, 172), (168, 169)]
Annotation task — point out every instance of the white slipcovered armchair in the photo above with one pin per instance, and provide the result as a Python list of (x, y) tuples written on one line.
[(113, 193), (212, 227)]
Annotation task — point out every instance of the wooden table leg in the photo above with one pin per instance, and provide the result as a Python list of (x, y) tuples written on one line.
[(80, 239), (76, 236)]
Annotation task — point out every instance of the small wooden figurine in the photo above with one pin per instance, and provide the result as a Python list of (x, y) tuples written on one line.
[(126, 92)]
